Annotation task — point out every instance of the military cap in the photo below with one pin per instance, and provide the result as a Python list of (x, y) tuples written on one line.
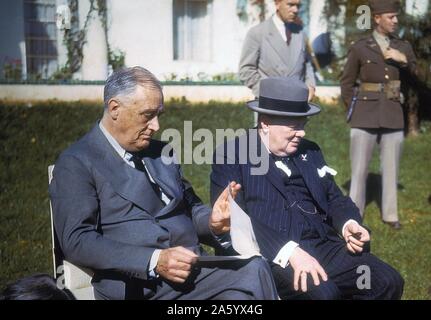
[(384, 6)]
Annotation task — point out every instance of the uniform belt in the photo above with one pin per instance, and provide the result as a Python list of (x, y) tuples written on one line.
[(380, 87), (391, 88)]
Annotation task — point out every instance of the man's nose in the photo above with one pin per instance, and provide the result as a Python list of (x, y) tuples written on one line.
[(154, 124), (300, 133)]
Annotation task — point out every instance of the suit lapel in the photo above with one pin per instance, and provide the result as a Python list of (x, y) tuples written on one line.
[(374, 46), (311, 180), (160, 174), (274, 175), (278, 44), (128, 182)]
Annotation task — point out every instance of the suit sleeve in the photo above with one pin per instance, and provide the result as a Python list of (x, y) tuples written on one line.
[(76, 208), (200, 212), (249, 61), (309, 74), (340, 207), (310, 80), (349, 76)]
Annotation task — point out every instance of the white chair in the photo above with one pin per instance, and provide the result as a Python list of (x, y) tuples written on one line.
[(76, 279)]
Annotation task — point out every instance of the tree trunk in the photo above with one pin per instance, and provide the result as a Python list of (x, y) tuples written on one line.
[(412, 113)]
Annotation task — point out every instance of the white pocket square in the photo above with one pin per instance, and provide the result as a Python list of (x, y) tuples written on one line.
[(282, 166), (325, 169)]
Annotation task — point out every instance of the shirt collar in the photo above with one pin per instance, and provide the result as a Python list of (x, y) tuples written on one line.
[(123, 153), (278, 22), (380, 38)]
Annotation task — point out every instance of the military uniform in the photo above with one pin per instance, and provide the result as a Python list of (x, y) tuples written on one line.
[(370, 88), (373, 109)]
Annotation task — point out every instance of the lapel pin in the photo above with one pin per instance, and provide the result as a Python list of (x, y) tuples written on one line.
[(304, 157)]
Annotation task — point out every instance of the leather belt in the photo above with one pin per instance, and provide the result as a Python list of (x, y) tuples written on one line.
[(391, 88)]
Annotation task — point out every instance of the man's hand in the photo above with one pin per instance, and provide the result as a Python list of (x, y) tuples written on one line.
[(395, 55), (220, 216), (311, 92), (175, 264), (356, 237), (303, 265)]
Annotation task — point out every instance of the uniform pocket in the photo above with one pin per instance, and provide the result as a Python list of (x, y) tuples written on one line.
[(368, 96)]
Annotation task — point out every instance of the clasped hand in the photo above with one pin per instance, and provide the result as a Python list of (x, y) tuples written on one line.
[(355, 236), (395, 55)]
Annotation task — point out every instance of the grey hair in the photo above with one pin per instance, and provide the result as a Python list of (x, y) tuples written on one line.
[(123, 82)]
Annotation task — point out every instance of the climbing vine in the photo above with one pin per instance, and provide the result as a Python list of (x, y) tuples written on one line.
[(75, 38)]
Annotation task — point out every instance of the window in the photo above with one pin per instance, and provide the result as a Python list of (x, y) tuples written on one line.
[(192, 30), (40, 37)]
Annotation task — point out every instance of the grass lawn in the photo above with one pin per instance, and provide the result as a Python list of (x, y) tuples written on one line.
[(32, 137)]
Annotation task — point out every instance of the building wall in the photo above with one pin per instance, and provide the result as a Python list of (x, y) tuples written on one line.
[(193, 93), (12, 44), (144, 30)]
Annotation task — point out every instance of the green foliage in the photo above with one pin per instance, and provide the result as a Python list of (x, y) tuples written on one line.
[(116, 59), (12, 70), (33, 135)]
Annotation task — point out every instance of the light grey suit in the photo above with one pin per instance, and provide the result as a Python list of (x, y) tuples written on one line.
[(266, 54), (108, 218)]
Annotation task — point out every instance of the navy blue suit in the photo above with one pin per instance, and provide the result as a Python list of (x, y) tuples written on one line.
[(268, 200), (108, 218)]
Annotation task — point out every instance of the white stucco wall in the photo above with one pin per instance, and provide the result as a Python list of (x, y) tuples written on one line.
[(193, 93), (144, 30)]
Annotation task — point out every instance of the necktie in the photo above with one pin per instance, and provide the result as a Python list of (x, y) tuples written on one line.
[(288, 33), (139, 165)]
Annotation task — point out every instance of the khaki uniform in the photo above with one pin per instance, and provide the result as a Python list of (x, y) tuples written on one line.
[(377, 115), (366, 64)]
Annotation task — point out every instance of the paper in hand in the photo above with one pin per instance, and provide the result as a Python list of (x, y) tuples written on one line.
[(241, 231)]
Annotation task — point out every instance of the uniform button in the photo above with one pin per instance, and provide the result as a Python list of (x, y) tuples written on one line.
[(365, 98), (386, 76), (386, 69), (368, 61)]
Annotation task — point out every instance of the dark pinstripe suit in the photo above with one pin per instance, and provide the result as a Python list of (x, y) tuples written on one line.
[(265, 198)]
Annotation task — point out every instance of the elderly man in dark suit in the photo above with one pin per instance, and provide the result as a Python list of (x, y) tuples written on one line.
[(370, 87), (303, 223), (123, 208)]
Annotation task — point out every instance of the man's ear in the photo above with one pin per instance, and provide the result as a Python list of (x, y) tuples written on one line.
[(113, 108), (263, 123), (377, 18)]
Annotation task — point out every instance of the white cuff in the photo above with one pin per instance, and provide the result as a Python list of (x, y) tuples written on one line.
[(283, 256), (345, 225), (153, 264)]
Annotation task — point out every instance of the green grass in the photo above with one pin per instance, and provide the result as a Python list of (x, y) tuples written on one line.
[(32, 137)]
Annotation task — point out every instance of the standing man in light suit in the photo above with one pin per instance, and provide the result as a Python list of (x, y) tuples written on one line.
[(123, 209), (277, 47)]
